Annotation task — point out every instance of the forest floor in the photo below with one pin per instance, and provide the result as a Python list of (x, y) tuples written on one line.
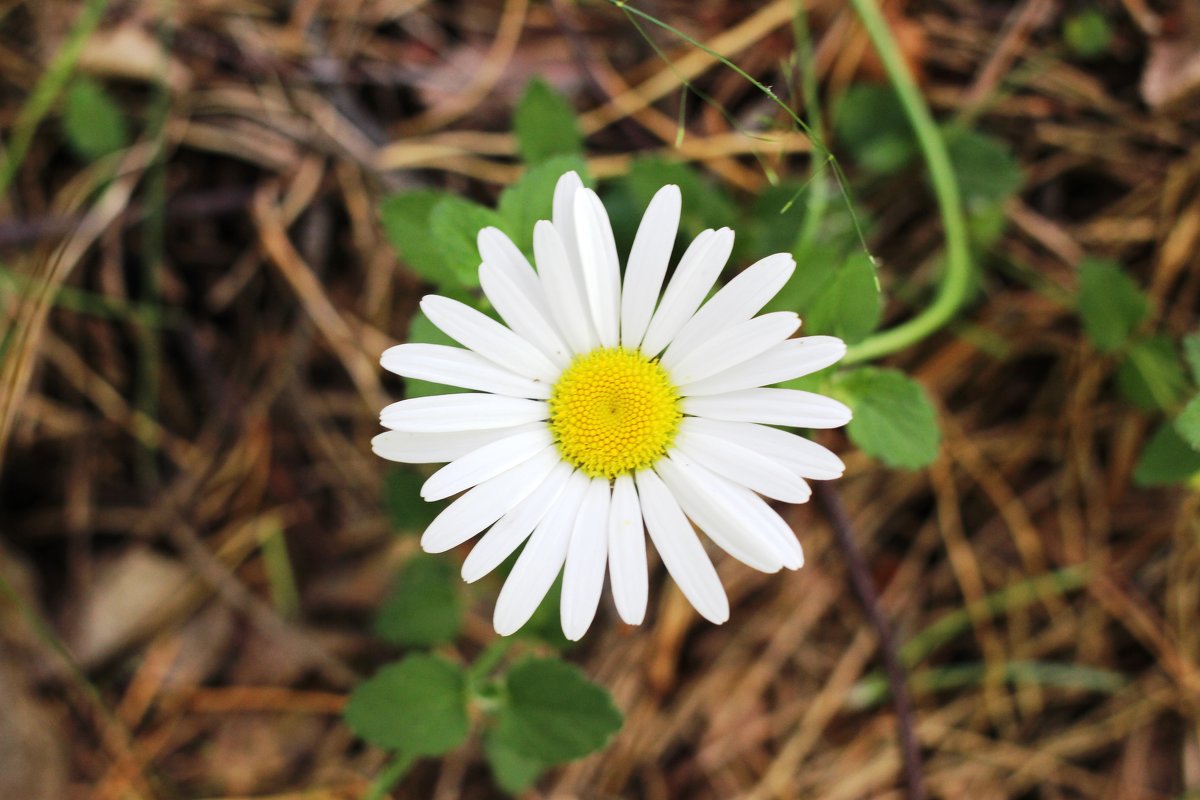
[(191, 508)]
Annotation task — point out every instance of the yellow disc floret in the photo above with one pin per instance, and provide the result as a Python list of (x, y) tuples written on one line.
[(613, 411)]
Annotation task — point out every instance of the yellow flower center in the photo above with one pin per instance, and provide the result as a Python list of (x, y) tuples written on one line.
[(613, 411)]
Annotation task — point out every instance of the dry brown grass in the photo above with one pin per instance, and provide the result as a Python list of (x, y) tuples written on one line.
[(288, 123)]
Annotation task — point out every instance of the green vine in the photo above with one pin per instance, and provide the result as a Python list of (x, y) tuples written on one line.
[(955, 282)]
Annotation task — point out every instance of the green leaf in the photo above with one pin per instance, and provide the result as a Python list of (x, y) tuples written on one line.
[(842, 224), (778, 213), (554, 713), (1191, 354), (1187, 424), (406, 509), (833, 243), (1166, 460), (1151, 375), (893, 418), (406, 222), (871, 124), (1110, 303), (704, 204), (813, 382), (424, 607), (532, 197), (624, 213), (455, 224), (1088, 34), (544, 124), (814, 273), (514, 773), (849, 305), (988, 173), (986, 225), (420, 329), (417, 706), (93, 123)]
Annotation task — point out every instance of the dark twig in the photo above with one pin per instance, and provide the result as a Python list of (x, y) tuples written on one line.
[(860, 576), (210, 203)]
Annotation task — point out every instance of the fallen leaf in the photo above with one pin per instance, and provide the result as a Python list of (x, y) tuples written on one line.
[(1172, 72), (131, 597), (132, 53)]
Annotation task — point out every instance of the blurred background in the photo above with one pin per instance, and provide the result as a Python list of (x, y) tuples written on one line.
[(215, 215)]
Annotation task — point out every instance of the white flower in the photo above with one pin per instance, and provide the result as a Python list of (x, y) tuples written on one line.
[(602, 411)]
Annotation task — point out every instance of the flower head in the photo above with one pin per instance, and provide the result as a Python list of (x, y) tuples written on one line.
[(602, 413)]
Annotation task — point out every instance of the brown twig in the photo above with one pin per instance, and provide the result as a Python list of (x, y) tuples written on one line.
[(864, 587)]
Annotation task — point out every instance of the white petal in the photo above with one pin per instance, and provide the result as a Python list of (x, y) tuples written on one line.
[(601, 270), (432, 448), (486, 462), (783, 362), (803, 456), (503, 538), (479, 332), (486, 503), (496, 248), (742, 465), (766, 520), (461, 412), (737, 301), (791, 407), (647, 266), (563, 213), (734, 345), (695, 275), (701, 499), (563, 216), (523, 312), (583, 575), (680, 549), (762, 519), (741, 512), (627, 552), (564, 293), (540, 561), (454, 366)]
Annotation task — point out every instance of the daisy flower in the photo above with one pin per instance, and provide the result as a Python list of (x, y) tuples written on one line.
[(601, 413)]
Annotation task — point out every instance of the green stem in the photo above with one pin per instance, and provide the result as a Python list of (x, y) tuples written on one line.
[(47, 90), (874, 689), (632, 14), (149, 342), (818, 199), (1005, 600), (490, 657), (955, 283), (392, 774), (281, 578)]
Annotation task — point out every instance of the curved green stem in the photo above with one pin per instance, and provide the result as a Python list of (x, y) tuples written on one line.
[(391, 775), (955, 281)]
